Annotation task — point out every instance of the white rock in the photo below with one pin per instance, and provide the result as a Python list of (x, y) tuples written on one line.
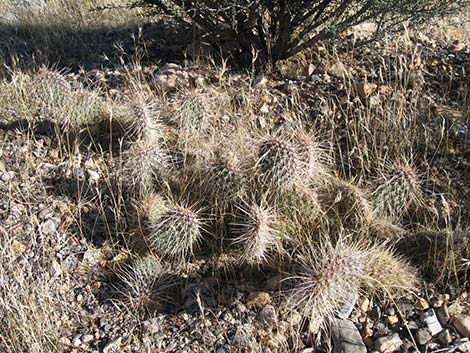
[(388, 344), (113, 347), (260, 82), (432, 322), (346, 337)]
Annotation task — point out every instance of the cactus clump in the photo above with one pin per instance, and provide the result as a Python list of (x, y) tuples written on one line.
[(329, 275), (145, 165), (397, 193), (192, 116), (255, 234), (175, 233), (144, 285), (225, 179), (51, 89), (278, 162)]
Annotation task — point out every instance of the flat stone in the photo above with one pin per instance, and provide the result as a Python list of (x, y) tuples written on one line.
[(462, 324), (346, 337), (443, 314), (48, 227), (445, 337), (268, 315), (346, 309), (422, 336), (430, 319), (388, 344)]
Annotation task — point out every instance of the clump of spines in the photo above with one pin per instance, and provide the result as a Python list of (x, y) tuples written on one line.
[(278, 162), (329, 274), (255, 234), (176, 232), (145, 165), (192, 116), (225, 179), (397, 192), (51, 89), (143, 285)]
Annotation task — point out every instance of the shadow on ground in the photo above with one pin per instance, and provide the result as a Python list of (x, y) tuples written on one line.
[(25, 46)]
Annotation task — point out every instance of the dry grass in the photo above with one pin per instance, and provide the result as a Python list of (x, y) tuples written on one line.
[(308, 181)]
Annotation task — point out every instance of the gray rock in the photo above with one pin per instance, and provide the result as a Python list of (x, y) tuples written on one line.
[(268, 315), (48, 227), (346, 337), (462, 324), (87, 338), (388, 344), (443, 314), (445, 337), (45, 213), (432, 323), (346, 309), (422, 336)]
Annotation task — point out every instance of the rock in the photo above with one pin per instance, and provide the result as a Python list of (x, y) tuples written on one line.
[(78, 173), (45, 213), (346, 337), (443, 314), (113, 347), (264, 109), (93, 176), (431, 321), (268, 316), (87, 338), (260, 82), (462, 324), (421, 304), (339, 70), (388, 344), (445, 337), (346, 309), (365, 89), (257, 298), (308, 71), (92, 256), (363, 303), (48, 227), (392, 319), (18, 247), (422, 336), (77, 342)]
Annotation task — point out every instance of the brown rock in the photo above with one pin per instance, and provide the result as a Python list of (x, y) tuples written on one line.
[(365, 89), (462, 324)]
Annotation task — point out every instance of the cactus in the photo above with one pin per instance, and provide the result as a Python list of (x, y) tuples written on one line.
[(145, 165), (143, 285), (192, 116), (225, 179), (255, 234), (394, 197), (329, 275), (278, 162), (51, 89), (175, 233)]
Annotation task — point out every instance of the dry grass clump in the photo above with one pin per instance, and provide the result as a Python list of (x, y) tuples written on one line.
[(33, 313), (442, 256)]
